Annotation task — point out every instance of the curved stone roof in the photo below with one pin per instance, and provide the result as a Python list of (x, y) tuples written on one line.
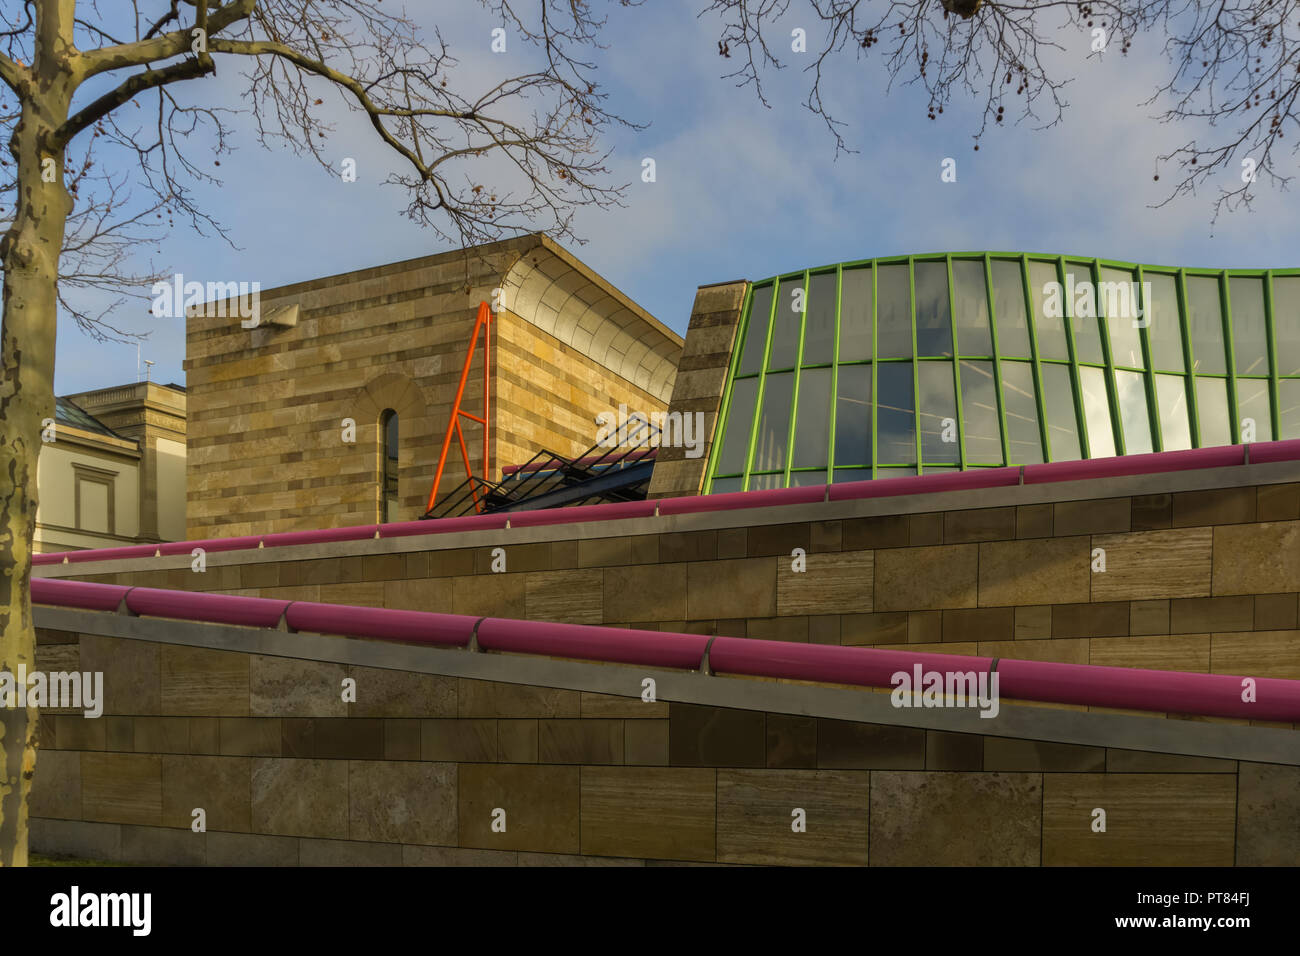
[(553, 290)]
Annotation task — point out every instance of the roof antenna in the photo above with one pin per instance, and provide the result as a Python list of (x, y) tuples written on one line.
[(148, 365)]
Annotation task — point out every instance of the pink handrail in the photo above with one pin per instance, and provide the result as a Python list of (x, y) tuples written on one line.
[(1083, 470), (1177, 692)]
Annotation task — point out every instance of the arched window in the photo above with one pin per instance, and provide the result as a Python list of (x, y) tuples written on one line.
[(388, 429)]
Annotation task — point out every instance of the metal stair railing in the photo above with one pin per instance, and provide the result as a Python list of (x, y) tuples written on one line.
[(548, 472)]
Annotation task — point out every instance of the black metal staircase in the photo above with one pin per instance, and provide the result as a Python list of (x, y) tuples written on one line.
[(617, 469)]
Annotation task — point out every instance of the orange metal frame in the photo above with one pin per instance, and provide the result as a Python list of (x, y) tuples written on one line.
[(483, 322)]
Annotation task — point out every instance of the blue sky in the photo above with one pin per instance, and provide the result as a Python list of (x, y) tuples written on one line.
[(742, 191)]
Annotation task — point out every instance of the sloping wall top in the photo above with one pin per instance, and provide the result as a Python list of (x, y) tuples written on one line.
[(553, 290)]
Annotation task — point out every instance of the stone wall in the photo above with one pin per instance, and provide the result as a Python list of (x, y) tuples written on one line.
[(412, 772), (266, 448), (1198, 580), (701, 381)]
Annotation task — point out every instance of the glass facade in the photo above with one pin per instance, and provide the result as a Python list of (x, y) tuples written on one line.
[(912, 365)]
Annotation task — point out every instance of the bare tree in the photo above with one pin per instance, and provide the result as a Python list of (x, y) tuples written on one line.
[(1234, 67), (478, 165)]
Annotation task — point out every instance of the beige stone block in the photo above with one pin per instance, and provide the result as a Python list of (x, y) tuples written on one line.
[(833, 583), (601, 552), (160, 735), (402, 802), (1151, 819), (122, 788), (1010, 753), (586, 741), (756, 817), (131, 672), (1148, 617), (645, 743), (1257, 558), (390, 693), (540, 804), (348, 853), (1190, 652), (492, 595), (1268, 815), (518, 558), (1154, 564), (1204, 615), (428, 594), (285, 687), (1257, 654), (1139, 761), (517, 741), (494, 699), (1033, 623), (734, 588), (250, 736), (955, 819), (205, 735), (978, 524), (163, 846), (199, 681), (220, 786), (56, 785), (60, 658), (469, 741), (607, 705), (1099, 516), (1033, 571), (666, 814), (300, 797), (627, 597), (1067, 651), (251, 849), (75, 838), (570, 597), (80, 733), (924, 578)]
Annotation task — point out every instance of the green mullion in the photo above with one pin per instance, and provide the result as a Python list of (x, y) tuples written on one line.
[(798, 371), (1275, 415), (1044, 437), (1081, 426), (762, 383), (1153, 396), (916, 367), (1189, 361), (997, 360), (725, 410), (1148, 366), (956, 368), (1032, 325), (1107, 354), (875, 365), (1229, 355), (835, 375)]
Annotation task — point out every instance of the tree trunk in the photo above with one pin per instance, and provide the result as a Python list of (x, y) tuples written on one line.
[(30, 255)]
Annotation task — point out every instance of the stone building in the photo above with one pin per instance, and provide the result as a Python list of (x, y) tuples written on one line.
[(115, 472), (268, 405)]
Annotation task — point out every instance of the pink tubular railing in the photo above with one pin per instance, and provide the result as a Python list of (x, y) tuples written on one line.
[(1176, 692), (975, 478)]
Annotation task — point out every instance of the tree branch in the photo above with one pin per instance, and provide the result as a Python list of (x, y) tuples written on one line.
[(162, 47), (352, 85), (12, 74), (123, 93)]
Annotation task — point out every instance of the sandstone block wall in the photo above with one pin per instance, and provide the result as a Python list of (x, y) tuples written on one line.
[(1203, 581), (412, 772), (266, 448)]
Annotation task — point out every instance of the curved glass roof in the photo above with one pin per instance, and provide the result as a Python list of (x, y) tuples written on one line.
[(915, 364)]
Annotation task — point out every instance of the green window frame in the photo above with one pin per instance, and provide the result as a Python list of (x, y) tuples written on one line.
[(846, 384)]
